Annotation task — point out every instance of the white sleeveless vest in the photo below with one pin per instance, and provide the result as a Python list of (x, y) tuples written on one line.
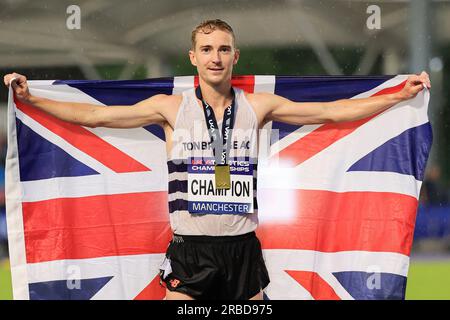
[(190, 138)]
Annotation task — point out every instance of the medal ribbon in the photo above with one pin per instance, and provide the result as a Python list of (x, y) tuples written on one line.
[(213, 129)]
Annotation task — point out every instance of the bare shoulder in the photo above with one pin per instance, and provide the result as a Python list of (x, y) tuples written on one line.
[(264, 101), (166, 100), (166, 105), (259, 99), (261, 102)]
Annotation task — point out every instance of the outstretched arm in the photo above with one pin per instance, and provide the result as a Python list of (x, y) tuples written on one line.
[(149, 111), (285, 110)]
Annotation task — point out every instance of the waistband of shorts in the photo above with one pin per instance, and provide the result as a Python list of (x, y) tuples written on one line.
[(214, 239)]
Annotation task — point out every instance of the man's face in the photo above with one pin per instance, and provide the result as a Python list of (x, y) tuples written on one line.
[(214, 56)]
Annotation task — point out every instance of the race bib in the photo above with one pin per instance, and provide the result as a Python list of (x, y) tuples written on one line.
[(204, 198)]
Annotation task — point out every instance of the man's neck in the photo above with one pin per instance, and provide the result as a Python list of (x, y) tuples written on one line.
[(219, 97)]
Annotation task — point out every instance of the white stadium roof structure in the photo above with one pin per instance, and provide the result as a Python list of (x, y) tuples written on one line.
[(143, 32)]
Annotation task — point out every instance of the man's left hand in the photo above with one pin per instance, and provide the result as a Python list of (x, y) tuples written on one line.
[(415, 84)]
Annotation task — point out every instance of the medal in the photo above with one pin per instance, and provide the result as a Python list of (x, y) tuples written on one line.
[(222, 175), (221, 168)]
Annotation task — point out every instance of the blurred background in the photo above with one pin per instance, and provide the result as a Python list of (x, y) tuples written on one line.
[(136, 39)]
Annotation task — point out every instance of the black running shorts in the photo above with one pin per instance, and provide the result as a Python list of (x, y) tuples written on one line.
[(216, 267)]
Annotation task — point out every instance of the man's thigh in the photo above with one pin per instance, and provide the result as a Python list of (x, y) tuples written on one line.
[(173, 295), (258, 296)]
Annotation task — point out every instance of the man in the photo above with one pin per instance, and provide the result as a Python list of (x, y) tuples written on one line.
[(212, 168)]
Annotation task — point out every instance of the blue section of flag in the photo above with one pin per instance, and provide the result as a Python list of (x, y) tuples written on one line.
[(281, 130), (41, 159), (320, 89), (126, 92), (372, 286), (156, 130), (406, 154), (67, 289)]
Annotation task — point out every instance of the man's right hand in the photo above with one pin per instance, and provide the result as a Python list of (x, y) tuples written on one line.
[(19, 85)]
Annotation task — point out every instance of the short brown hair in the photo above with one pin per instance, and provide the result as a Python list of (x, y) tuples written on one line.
[(209, 26)]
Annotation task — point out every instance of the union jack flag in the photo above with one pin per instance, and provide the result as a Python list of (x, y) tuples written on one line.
[(87, 207)]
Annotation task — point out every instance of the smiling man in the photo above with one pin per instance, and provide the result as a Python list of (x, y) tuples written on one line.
[(212, 148)]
